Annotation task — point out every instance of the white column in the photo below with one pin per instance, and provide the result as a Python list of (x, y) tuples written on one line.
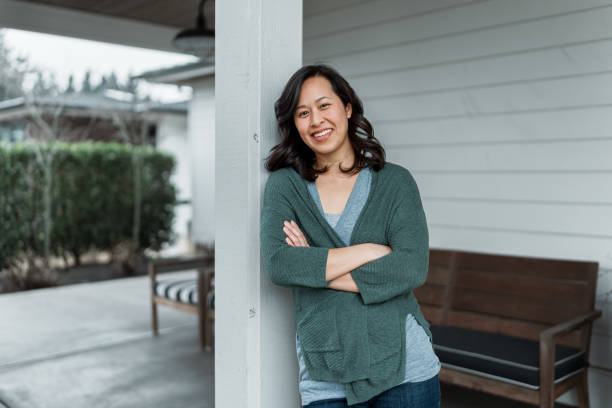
[(258, 46)]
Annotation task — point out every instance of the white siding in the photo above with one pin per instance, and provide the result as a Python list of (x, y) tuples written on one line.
[(202, 152), (503, 112), (172, 139)]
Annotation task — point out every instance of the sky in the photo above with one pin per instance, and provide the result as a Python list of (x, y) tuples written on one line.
[(64, 56)]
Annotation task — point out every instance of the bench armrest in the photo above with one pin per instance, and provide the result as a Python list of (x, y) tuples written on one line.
[(568, 326), (547, 350)]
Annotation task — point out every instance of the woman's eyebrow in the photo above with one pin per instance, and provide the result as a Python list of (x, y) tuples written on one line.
[(303, 106)]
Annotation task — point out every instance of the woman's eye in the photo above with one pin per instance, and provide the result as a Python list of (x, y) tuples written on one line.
[(324, 105), (302, 114)]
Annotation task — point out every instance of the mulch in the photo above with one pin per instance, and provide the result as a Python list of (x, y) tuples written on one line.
[(90, 272)]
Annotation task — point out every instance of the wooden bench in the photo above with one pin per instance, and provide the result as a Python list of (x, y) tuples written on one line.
[(511, 326), (185, 294)]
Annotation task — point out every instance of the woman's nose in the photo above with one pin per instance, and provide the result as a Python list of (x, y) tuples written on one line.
[(315, 118)]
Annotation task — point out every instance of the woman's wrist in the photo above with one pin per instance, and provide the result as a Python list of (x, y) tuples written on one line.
[(376, 251), (344, 283), (343, 260)]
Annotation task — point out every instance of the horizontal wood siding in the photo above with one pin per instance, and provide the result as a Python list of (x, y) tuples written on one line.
[(503, 113)]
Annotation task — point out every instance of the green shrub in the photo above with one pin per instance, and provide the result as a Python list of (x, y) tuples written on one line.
[(92, 193)]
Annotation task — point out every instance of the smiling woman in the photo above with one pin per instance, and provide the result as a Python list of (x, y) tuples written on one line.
[(317, 99), (321, 116), (347, 232)]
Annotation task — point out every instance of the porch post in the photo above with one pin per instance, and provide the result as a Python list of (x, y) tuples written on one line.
[(258, 46)]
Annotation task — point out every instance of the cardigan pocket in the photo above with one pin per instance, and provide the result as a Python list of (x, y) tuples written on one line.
[(317, 330), (320, 343)]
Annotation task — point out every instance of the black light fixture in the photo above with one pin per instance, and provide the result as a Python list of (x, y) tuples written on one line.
[(199, 40)]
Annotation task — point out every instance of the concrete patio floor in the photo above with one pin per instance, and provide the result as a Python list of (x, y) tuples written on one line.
[(90, 345)]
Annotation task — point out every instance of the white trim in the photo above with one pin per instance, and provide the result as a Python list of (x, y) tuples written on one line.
[(41, 18), (563, 360), (500, 360), (504, 379), (14, 114), (24, 113), (570, 374), (183, 76)]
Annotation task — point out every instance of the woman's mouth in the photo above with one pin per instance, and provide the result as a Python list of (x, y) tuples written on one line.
[(322, 135)]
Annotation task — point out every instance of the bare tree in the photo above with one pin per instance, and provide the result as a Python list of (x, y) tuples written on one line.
[(48, 121), (132, 126)]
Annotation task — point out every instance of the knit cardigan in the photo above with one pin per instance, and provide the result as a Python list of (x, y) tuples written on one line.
[(354, 338)]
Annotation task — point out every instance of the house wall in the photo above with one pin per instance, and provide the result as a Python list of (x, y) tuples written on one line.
[(172, 138), (201, 125), (502, 112)]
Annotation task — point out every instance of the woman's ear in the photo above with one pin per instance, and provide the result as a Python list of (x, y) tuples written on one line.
[(349, 110)]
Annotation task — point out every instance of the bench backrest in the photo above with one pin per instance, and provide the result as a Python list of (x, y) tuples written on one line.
[(516, 296)]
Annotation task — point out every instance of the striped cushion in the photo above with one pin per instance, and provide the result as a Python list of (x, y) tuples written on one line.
[(211, 294), (211, 299), (182, 290)]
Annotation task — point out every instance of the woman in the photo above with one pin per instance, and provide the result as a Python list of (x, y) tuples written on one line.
[(346, 230)]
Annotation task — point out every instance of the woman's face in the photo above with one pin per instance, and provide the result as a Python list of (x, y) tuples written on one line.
[(321, 118)]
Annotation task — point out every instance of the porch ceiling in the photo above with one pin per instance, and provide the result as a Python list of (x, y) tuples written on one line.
[(178, 14)]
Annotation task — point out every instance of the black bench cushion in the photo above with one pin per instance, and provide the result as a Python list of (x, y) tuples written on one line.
[(182, 290), (507, 358)]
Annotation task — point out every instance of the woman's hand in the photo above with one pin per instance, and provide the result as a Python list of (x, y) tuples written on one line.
[(294, 235)]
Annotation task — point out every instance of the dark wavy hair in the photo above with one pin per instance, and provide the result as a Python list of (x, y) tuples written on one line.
[(293, 152)]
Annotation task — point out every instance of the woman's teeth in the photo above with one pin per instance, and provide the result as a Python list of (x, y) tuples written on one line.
[(322, 133)]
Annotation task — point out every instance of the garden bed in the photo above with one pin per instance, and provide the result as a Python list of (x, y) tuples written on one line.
[(94, 267)]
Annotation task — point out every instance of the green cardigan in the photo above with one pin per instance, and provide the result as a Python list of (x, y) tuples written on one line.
[(354, 338)]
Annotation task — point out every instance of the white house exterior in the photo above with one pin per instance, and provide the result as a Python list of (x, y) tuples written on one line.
[(201, 122), (172, 138), (198, 148), (502, 111)]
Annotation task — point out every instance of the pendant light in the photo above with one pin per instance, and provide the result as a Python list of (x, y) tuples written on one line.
[(199, 40)]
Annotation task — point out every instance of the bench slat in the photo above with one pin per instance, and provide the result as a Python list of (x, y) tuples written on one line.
[(430, 294), (515, 307), (539, 267), (503, 325), (525, 286), (432, 314)]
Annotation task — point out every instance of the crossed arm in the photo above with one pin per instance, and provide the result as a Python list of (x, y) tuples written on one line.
[(377, 272), (340, 261)]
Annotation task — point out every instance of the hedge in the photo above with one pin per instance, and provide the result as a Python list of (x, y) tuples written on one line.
[(92, 192)]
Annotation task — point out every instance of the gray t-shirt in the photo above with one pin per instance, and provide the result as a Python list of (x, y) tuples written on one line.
[(421, 361)]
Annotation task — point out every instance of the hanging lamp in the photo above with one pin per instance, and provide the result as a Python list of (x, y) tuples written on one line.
[(199, 40)]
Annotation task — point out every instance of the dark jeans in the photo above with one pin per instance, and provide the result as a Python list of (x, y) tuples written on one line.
[(424, 394)]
